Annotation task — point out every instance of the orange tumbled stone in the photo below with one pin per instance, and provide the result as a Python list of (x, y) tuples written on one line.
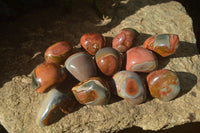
[(47, 75), (163, 84), (58, 52), (108, 60), (92, 42), (163, 44)]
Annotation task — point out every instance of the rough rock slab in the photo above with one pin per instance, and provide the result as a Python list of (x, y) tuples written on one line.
[(19, 104)]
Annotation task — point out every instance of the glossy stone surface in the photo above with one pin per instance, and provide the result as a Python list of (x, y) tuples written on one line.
[(130, 87), (81, 66), (163, 84), (50, 107), (93, 91), (47, 75), (92, 42), (58, 52), (140, 60), (163, 44), (124, 39), (108, 60)]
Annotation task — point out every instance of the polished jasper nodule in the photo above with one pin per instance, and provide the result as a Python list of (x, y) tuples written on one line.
[(163, 84), (50, 107), (124, 39), (47, 75), (130, 87), (140, 60), (81, 66), (93, 91), (108, 60), (58, 52), (92, 42), (163, 44)]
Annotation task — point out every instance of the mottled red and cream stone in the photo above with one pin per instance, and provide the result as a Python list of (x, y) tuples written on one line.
[(93, 91), (124, 39), (163, 84), (163, 44), (92, 42), (47, 75), (58, 52), (108, 60), (140, 60), (130, 87)]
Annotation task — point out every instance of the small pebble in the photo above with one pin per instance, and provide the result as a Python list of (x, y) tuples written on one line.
[(81, 66), (124, 39), (163, 84), (92, 42), (58, 52), (108, 60), (141, 60), (130, 87), (47, 75), (93, 91), (163, 44)]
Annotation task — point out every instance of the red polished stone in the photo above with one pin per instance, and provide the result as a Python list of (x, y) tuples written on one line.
[(92, 42), (47, 75), (140, 60), (58, 52), (124, 39), (163, 44), (108, 60)]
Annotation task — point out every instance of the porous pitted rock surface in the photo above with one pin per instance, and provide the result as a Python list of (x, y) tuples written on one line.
[(24, 41)]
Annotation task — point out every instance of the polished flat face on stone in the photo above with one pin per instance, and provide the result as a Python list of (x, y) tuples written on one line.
[(124, 39), (129, 86), (163, 84), (163, 44), (92, 42), (93, 91), (108, 60), (58, 52), (47, 75), (81, 66), (140, 60), (49, 107)]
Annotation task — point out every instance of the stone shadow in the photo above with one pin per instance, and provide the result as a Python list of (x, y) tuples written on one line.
[(185, 49), (187, 82), (185, 128), (109, 41)]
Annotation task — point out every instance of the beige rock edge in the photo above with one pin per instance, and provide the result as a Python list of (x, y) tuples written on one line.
[(20, 104)]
